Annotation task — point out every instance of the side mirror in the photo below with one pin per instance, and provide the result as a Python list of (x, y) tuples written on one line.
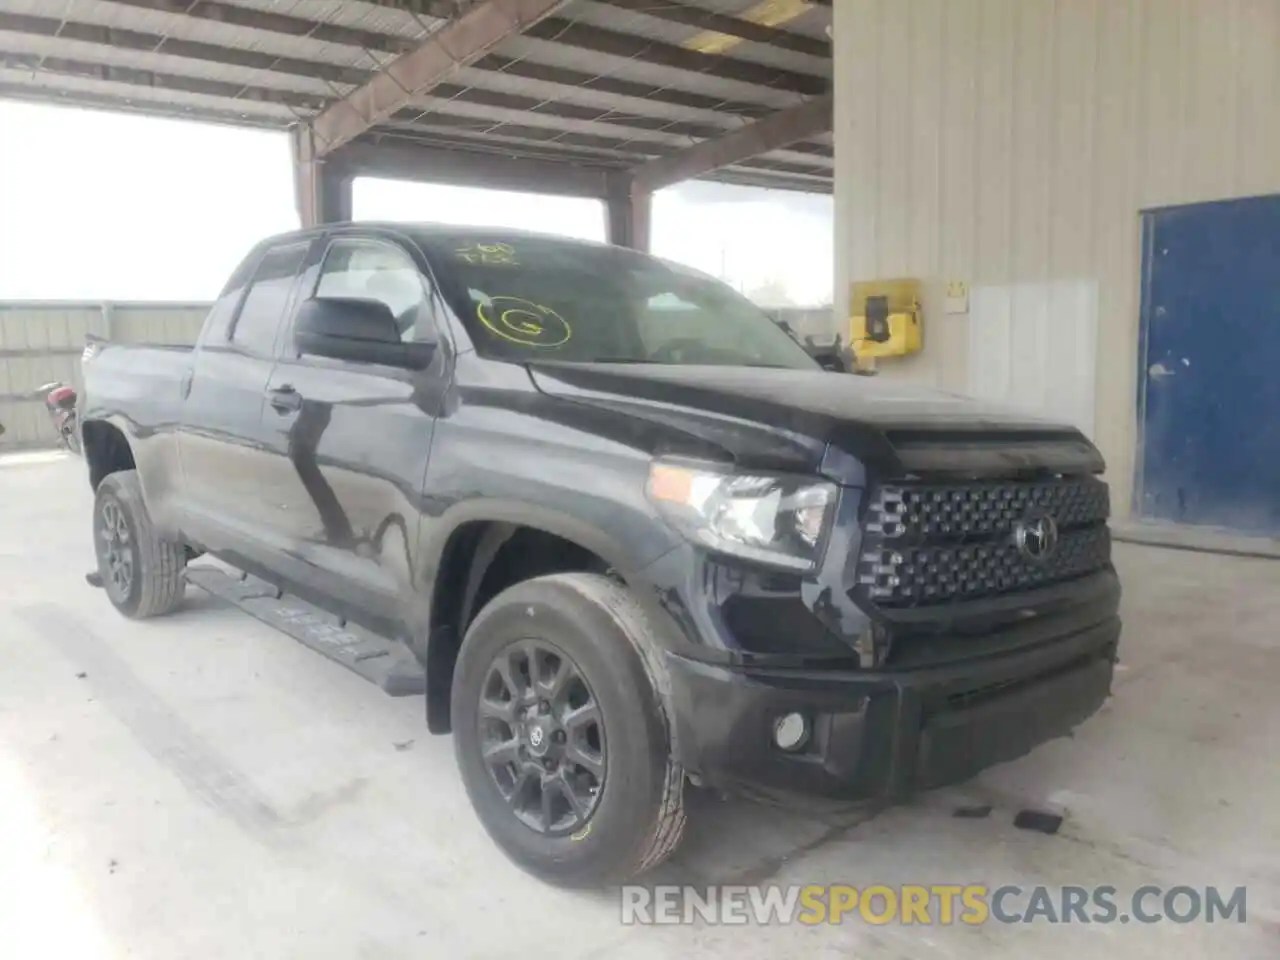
[(359, 330)]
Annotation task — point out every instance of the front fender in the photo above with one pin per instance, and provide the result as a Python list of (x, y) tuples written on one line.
[(620, 554), (436, 642)]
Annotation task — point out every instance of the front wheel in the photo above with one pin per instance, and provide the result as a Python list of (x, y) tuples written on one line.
[(561, 735), (142, 572)]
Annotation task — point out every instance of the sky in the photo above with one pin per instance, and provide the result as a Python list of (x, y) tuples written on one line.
[(104, 206)]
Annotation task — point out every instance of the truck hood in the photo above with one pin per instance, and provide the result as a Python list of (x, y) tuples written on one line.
[(762, 414)]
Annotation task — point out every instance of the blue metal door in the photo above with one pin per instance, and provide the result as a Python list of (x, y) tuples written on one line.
[(1209, 380)]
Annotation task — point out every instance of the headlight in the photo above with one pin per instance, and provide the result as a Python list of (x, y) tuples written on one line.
[(777, 520)]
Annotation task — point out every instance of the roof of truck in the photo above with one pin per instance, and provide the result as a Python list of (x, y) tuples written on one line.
[(426, 231)]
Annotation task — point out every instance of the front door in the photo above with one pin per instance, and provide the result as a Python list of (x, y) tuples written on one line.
[(1210, 366), (351, 443), (220, 441)]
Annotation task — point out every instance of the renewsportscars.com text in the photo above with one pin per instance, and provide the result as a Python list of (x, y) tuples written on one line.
[(933, 904)]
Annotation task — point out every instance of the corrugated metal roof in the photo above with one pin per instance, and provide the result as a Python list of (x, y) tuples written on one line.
[(648, 26), (104, 93), (812, 21), (543, 90), (379, 18), (614, 80), (629, 68), (49, 51)]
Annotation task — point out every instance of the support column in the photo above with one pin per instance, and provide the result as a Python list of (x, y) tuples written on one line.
[(629, 213), (322, 191)]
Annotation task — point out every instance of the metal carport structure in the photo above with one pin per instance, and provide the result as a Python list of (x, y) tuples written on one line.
[(610, 99)]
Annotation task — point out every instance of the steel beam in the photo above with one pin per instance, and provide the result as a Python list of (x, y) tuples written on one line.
[(469, 168), (772, 133), (567, 147), (459, 43), (629, 213), (322, 190), (748, 178)]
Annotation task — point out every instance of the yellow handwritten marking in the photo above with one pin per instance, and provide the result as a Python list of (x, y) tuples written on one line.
[(491, 254), (524, 322)]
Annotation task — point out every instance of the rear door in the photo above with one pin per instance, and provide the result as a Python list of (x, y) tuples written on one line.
[(221, 441), (350, 441)]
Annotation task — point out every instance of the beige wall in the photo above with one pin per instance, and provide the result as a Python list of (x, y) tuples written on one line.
[(41, 341), (1011, 144)]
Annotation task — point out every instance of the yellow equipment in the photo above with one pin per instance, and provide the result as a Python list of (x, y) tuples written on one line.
[(886, 318)]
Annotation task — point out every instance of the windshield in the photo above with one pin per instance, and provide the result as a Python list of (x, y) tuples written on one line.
[(537, 298)]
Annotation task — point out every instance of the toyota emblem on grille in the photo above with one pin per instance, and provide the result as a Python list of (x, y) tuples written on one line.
[(1036, 538)]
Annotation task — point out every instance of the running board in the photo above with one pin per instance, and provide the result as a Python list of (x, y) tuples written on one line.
[(387, 663)]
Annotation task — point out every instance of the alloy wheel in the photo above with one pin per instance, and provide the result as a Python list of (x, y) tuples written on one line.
[(116, 548), (542, 737)]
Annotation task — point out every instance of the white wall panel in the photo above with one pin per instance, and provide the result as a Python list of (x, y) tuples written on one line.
[(1042, 362), (1013, 144)]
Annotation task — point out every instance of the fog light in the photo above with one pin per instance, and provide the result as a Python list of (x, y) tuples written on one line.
[(791, 731)]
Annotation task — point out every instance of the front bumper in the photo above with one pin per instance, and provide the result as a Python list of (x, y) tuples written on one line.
[(882, 736)]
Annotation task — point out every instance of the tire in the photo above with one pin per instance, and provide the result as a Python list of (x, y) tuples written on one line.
[(157, 566), (636, 817)]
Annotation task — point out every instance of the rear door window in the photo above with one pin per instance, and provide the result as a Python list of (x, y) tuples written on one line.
[(267, 299)]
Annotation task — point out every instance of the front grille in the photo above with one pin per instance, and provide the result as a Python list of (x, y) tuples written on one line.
[(931, 512), (933, 543), (898, 576)]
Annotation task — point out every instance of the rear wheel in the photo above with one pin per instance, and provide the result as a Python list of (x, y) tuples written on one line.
[(561, 735), (142, 572)]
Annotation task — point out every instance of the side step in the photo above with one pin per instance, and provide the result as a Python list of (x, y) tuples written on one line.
[(385, 662)]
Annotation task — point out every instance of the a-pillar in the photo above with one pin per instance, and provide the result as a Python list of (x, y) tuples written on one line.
[(630, 213), (322, 191)]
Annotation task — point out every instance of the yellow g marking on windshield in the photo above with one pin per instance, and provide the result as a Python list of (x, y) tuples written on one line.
[(490, 254), (524, 322)]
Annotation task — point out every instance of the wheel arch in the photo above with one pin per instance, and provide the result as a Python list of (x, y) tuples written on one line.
[(486, 548), (106, 450)]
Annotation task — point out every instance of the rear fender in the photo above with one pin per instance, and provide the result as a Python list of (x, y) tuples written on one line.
[(113, 443)]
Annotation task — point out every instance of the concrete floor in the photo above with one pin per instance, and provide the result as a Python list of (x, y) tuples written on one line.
[(202, 786)]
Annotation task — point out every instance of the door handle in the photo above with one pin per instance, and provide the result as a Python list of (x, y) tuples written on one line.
[(285, 399)]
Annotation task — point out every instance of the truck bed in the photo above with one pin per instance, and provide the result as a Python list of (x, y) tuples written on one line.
[(140, 382)]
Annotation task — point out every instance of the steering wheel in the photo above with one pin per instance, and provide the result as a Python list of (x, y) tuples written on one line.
[(671, 351)]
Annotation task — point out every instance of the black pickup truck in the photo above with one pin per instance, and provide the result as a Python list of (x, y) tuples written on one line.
[(632, 531)]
